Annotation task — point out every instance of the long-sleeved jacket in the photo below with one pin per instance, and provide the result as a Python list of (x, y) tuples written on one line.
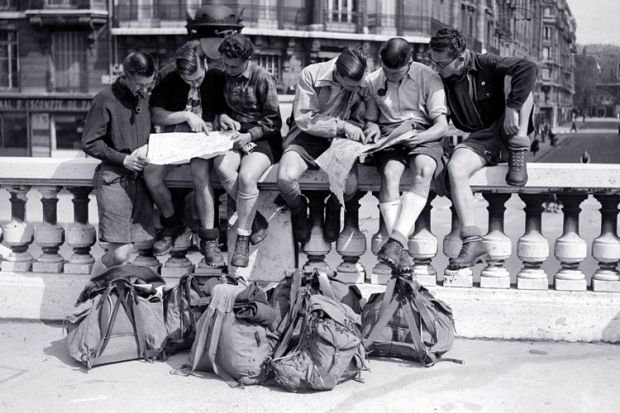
[(476, 99), (117, 123), (321, 105)]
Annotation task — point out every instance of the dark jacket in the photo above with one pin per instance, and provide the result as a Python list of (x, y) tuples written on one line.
[(488, 102), (117, 123)]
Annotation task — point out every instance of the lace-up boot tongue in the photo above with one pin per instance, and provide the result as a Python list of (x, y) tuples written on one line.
[(517, 167)]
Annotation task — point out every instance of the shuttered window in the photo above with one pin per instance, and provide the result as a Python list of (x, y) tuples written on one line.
[(9, 64), (69, 57)]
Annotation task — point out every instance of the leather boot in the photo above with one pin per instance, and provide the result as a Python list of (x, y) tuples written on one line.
[(241, 255), (208, 248), (331, 229), (472, 252), (390, 253), (517, 167), (299, 220), (172, 228), (405, 263), (259, 228)]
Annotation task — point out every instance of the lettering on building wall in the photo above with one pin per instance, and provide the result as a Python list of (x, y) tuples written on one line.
[(45, 105)]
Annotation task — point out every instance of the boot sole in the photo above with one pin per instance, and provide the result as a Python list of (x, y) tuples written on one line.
[(240, 264), (481, 260), (387, 260)]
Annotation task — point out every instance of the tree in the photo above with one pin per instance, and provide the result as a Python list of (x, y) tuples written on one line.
[(587, 75)]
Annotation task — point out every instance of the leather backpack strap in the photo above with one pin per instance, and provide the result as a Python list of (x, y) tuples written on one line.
[(107, 328), (324, 285), (389, 306), (424, 356), (419, 302)]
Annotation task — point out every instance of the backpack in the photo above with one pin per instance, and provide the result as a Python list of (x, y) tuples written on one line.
[(183, 306), (408, 322), (319, 337), (233, 346), (330, 349), (120, 318)]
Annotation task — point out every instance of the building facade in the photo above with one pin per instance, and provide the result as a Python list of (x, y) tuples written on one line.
[(67, 50)]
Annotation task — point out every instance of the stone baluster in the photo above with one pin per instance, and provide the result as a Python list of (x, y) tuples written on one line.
[(532, 248), (145, 257), (606, 248), (81, 236), (351, 244), (49, 235), (499, 246), (423, 247), (316, 248), (452, 244), (381, 272), (570, 248), (18, 235)]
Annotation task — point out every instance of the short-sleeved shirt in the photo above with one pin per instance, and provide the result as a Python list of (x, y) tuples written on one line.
[(420, 97), (252, 100), (171, 92)]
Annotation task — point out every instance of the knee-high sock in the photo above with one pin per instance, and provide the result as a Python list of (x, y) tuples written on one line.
[(390, 212), (246, 209), (411, 205)]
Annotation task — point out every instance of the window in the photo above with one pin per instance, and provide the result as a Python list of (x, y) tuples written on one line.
[(547, 33), (69, 56), (13, 134), (8, 4), (546, 73), (547, 11), (61, 4), (272, 63), (545, 53), (9, 65), (68, 128), (342, 11)]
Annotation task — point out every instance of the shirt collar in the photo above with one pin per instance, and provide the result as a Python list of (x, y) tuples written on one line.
[(325, 75)]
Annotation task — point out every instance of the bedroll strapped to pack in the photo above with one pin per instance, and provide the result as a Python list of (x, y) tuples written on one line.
[(121, 318), (408, 322), (320, 342), (184, 304)]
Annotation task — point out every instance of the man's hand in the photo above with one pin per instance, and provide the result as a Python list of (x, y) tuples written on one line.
[(241, 140), (136, 160), (195, 122), (413, 141), (372, 132), (353, 132), (227, 123), (511, 121)]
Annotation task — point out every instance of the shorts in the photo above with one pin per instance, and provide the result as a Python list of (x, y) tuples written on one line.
[(124, 205), (270, 146), (309, 147)]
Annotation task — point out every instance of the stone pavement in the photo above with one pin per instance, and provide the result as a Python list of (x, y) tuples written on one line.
[(37, 375)]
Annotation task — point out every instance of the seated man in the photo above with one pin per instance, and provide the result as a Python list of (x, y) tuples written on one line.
[(186, 97), (474, 86), (328, 104), (404, 91), (116, 131)]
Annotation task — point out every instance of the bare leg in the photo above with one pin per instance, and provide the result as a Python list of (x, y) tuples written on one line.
[(154, 176), (201, 170)]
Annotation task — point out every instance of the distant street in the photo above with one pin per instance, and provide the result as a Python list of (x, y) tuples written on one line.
[(603, 148)]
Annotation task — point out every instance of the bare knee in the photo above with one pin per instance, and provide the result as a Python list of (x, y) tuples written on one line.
[(248, 182), (287, 176), (457, 171)]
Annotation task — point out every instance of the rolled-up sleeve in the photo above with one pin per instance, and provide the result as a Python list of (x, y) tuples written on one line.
[(307, 113), (436, 97), (267, 96), (95, 134)]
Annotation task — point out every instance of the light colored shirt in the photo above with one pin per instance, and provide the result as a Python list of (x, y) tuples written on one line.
[(419, 96), (321, 105)]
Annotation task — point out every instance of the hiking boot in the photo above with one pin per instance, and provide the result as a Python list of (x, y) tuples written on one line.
[(209, 249), (390, 253), (331, 229), (259, 228), (299, 220), (517, 168), (173, 227), (405, 262), (240, 257), (473, 252)]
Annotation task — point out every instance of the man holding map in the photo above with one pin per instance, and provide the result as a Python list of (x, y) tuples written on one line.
[(405, 97)]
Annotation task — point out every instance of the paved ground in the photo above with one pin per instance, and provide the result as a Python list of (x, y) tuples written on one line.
[(37, 375)]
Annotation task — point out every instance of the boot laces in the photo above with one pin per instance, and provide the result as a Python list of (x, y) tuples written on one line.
[(242, 244), (517, 159)]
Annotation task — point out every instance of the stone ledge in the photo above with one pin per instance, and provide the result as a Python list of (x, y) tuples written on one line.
[(479, 313)]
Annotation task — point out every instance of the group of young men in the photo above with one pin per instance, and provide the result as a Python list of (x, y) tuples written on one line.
[(336, 99)]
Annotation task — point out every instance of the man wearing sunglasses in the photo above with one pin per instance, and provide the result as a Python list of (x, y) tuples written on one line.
[(498, 125)]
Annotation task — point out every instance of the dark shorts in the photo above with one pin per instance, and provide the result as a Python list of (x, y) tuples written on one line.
[(125, 207), (309, 147), (270, 146)]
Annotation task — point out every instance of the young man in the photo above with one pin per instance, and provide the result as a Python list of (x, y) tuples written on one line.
[(329, 103), (474, 86), (116, 131), (405, 91), (186, 98)]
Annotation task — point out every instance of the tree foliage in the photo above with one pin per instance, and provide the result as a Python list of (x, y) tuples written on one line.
[(587, 75)]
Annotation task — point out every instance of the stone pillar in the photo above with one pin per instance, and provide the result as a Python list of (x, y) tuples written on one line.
[(606, 248), (351, 244), (423, 247), (49, 235), (316, 248), (452, 244), (18, 235), (381, 272), (81, 236), (495, 275), (532, 247), (145, 256), (178, 264), (570, 248)]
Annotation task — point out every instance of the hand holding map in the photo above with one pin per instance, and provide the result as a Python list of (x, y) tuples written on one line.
[(180, 147)]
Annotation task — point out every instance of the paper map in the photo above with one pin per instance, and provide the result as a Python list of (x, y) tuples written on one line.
[(180, 147)]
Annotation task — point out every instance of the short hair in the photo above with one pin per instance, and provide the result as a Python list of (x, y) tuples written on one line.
[(236, 46), (449, 39), (139, 63), (351, 63), (395, 53), (190, 58)]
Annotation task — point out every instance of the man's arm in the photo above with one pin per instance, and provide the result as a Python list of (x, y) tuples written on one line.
[(307, 113), (95, 133), (523, 73), (267, 97)]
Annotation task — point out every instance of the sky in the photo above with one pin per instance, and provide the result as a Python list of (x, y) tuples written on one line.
[(598, 21)]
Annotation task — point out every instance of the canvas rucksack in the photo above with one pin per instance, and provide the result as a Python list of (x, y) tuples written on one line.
[(121, 318), (408, 322)]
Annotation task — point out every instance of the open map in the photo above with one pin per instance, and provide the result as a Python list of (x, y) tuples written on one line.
[(180, 147)]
